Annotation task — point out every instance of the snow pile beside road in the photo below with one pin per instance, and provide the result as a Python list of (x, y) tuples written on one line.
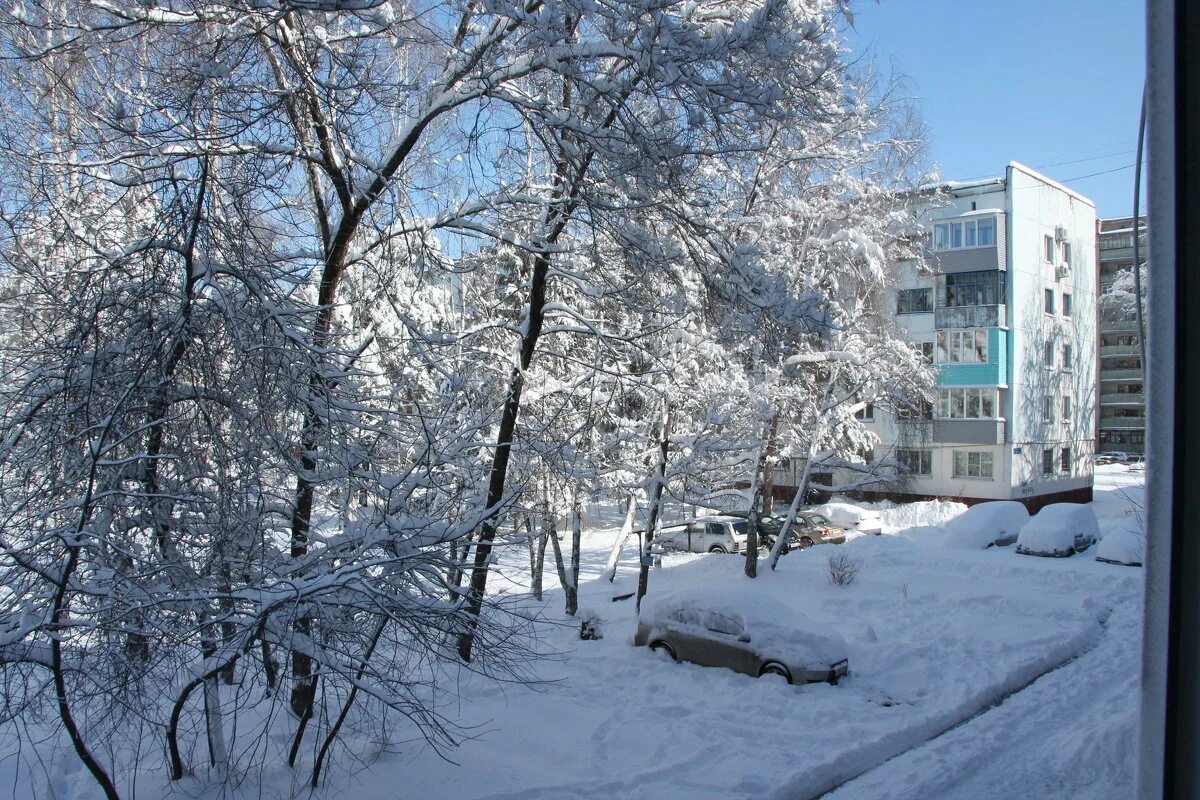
[(920, 514)]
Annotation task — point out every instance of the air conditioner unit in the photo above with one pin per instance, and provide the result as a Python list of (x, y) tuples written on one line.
[(1062, 271), (1060, 233)]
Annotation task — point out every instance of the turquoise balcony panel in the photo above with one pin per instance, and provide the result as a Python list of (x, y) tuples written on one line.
[(992, 373)]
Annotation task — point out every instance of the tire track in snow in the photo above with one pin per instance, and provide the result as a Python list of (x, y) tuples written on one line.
[(819, 782)]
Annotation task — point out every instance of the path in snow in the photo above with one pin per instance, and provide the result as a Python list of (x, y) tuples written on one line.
[(1066, 735)]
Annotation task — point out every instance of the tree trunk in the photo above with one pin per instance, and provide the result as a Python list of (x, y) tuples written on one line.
[(569, 578), (656, 493), (797, 501), (768, 478), (614, 555)]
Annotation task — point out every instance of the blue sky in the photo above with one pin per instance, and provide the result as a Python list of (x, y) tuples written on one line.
[(1054, 84)]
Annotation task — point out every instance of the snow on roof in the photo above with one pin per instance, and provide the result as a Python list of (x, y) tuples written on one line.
[(955, 187), (1051, 182)]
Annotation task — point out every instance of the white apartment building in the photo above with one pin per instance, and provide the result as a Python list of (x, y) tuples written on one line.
[(1005, 307)]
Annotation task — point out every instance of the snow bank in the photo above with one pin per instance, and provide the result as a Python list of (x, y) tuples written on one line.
[(1059, 529), (866, 520), (987, 524), (1125, 545), (923, 513)]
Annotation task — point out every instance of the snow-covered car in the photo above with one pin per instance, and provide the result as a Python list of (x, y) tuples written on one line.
[(1137, 463), (1059, 529), (995, 523), (713, 534), (852, 518), (743, 632), (1125, 545)]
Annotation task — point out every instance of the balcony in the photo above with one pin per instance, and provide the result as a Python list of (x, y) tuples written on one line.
[(970, 317), (969, 431), (1123, 399), (1120, 374), (1118, 423), (970, 259), (1119, 350)]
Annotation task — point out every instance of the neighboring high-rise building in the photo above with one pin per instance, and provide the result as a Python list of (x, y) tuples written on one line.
[(1005, 306), (1122, 418)]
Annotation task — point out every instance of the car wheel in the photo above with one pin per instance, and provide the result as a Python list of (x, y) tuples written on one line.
[(804, 543), (660, 646), (716, 548), (775, 668)]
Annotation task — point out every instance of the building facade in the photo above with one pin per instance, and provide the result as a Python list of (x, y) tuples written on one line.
[(1004, 306), (1122, 417)]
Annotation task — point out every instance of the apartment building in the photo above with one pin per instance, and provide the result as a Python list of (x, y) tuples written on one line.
[(1122, 417), (1004, 304)]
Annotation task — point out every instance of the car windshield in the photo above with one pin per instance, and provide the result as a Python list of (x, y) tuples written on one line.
[(818, 519)]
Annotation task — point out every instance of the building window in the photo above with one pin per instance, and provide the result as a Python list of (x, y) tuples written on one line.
[(980, 288), (1049, 301), (1048, 408), (979, 232), (915, 462), (1048, 245), (1066, 253), (866, 413), (967, 404), (1064, 460), (962, 347), (1048, 461), (927, 352), (1068, 362), (914, 301), (921, 410), (1066, 408), (972, 464), (1048, 353), (1066, 304)]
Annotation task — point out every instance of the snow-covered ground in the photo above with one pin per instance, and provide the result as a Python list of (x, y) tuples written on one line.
[(974, 674), (935, 634)]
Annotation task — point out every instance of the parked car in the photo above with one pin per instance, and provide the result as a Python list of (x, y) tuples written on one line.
[(1059, 530), (1137, 463), (1111, 457), (995, 523), (711, 534), (852, 518), (755, 638), (1126, 545), (812, 528)]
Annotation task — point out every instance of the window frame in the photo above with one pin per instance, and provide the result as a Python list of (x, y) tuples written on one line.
[(954, 398), (956, 344), (962, 230), (966, 458), (1048, 462), (1048, 302), (926, 292), (1066, 304), (922, 456), (1048, 248)]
